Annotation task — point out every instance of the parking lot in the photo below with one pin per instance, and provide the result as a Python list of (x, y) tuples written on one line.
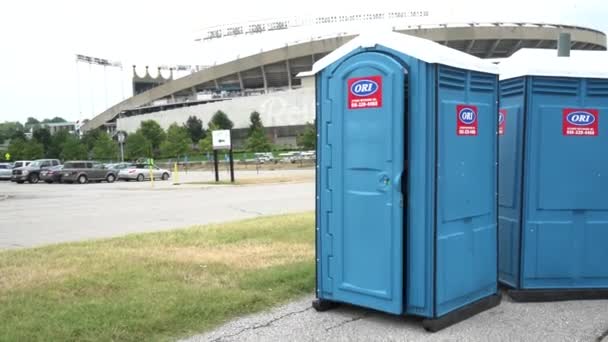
[(37, 214)]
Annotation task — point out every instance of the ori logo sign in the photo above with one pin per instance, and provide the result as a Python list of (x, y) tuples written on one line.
[(364, 88), (466, 120), (502, 121), (365, 92), (580, 122)]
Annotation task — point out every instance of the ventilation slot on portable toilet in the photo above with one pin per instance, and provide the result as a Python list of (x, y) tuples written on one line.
[(482, 82), (549, 86), (512, 87), (597, 88), (452, 77)]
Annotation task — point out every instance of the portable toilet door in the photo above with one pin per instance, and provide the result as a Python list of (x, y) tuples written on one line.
[(553, 203), (406, 179)]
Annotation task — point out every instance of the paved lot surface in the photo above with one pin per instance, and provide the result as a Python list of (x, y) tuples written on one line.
[(38, 214), (297, 321)]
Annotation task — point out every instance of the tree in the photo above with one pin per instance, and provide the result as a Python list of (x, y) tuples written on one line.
[(90, 137), (308, 138), (31, 122), (11, 130), (206, 144), (177, 143), (137, 146), (73, 149), (256, 122), (43, 136), (221, 121), (195, 129), (25, 149), (33, 150), (56, 144), (56, 119), (153, 133), (257, 140), (104, 148)]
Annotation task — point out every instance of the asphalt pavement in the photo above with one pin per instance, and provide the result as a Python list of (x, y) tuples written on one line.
[(39, 214), (535, 322)]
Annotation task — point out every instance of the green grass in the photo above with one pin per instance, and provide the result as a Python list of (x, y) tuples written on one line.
[(157, 286)]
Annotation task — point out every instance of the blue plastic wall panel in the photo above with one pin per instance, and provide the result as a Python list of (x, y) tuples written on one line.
[(361, 162), (565, 231), (466, 267), (420, 209), (512, 103)]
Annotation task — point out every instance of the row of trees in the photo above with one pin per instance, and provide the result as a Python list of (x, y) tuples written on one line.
[(14, 130), (63, 145), (150, 140)]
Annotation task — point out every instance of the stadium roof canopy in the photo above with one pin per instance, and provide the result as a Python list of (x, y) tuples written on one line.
[(422, 49), (277, 68), (542, 62)]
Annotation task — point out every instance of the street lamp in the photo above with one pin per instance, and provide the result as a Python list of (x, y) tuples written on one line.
[(121, 140)]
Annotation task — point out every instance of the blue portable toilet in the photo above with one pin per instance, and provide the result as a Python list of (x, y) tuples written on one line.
[(406, 218), (553, 183)]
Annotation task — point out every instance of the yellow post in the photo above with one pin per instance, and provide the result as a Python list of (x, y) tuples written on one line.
[(175, 174), (150, 163), (151, 176)]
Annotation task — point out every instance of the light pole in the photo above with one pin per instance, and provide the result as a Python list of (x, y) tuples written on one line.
[(121, 139)]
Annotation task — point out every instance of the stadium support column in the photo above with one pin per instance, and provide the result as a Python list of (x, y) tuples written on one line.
[(194, 93), (241, 84), (265, 80), (288, 72)]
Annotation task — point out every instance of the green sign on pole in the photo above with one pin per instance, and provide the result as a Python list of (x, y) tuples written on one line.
[(7, 156)]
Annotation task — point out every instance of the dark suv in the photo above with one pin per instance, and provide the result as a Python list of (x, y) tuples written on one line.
[(85, 171), (31, 172)]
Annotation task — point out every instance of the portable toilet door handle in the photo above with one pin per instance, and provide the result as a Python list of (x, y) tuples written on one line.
[(384, 181)]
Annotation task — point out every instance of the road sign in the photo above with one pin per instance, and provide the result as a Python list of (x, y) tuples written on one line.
[(7, 156), (221, 139), (121, 137)]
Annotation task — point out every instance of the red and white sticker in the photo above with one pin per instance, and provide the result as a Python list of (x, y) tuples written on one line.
[(502, 121), (365, 92), (580, 122), (466, 120)]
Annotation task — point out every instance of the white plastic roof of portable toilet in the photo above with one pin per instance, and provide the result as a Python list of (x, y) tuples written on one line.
[(419, 48), (545, 62)]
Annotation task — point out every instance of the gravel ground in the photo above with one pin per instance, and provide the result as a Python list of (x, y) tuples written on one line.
[(297, 321), (38, 214)]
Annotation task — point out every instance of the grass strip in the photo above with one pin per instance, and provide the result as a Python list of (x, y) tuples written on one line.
[(155, 286)]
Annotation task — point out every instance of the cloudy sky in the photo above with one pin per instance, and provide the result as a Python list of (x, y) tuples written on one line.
[(39, 40)]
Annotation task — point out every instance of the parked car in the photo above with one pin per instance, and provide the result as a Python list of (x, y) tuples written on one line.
[(141, 172), (264, 157), (308, 155), (118, 166), (6, 171), (85, 171), (31, 172), (21, 163), (52, 174), (290, 157)]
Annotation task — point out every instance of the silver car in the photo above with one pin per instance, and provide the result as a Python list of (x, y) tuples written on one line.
[(141, 172), (6, 171)]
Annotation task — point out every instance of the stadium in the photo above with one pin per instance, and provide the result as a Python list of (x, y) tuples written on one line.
[(256, 67)]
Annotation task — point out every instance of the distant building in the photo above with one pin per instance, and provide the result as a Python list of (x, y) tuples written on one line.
[(258, 62), (55, 127)]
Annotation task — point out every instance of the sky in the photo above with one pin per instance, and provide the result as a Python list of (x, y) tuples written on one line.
[(39, 40)]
